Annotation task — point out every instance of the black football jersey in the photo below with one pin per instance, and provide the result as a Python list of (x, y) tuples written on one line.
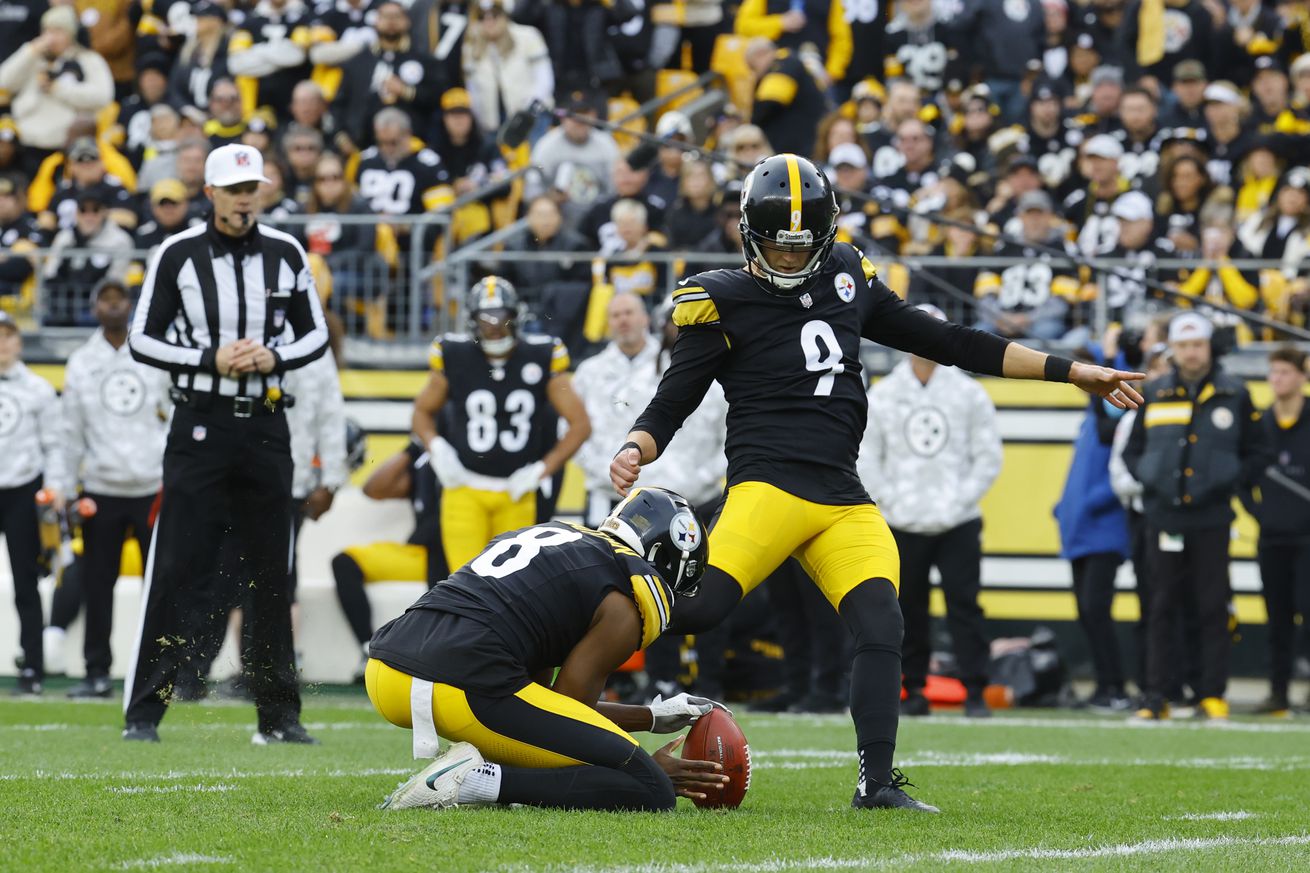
[(496, 410), (64, 203), (923, 55), (790, 369), (537, 590), (414, 185)]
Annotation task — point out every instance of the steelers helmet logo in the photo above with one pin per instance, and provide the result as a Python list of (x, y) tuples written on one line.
[(845, 286), (11, 414), (1222, 418), (123, 392), (685, 531), (926, 431)]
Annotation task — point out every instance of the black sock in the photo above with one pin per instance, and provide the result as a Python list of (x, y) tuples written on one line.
[(350, 591), (874, 617), (637, 785)]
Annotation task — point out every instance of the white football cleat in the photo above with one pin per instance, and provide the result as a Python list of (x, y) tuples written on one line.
[(437, 785)]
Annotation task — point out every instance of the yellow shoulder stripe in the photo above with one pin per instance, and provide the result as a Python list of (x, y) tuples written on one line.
[(653, 604), (436, 360), (776, 88), (699, 310), (870, 271), (559, 358)]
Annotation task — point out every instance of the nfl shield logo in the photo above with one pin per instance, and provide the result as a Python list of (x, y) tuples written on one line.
[(198, 433), (243, 159), (807, 301)]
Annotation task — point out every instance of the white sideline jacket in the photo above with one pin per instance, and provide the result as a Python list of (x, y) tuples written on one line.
[(615, 390), (31, 429), (116, 413), (930, 452)]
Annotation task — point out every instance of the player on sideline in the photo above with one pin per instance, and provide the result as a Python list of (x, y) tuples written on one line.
[(472, 661), (782, 336)]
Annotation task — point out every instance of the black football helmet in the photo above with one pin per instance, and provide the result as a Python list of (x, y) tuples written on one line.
[(787, 205), (660, 526), (493, 311)]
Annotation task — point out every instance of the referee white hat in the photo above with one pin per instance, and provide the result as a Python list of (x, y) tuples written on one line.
[(233, 164)]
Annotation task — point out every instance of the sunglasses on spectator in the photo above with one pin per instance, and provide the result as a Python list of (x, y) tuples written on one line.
[(168, 201)]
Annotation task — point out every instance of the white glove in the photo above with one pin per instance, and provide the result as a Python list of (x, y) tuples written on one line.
[(674, 714), (446, 464), (526, 479)]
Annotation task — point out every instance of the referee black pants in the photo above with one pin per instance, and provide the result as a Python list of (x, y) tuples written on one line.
[(1285, 580), (103, 535), (18, 522), (219, 469)]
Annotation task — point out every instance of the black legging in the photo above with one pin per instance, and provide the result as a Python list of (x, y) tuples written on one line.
[(18, 522), (617, 775)]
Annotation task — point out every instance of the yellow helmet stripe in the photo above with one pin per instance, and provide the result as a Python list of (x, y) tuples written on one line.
[(491, 288), (794, 185)]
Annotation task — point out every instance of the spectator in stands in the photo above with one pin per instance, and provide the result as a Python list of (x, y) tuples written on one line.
[(1186, 188), (19, 235), (506, 65), (352, 250), (1284, 515), (103, 251), (33, 452), (169, 214), (1094, 535), (1226, 111), (1155, 46), (725, 239), (674, 132), (960, 239), (301, 149), (1088, 209), (1141, 159), (274, 201), (471, 158), (53, 79), (12, 158), (835, 129), (260, 130), (575, 159), (1059, 36), (1281, 231), (1247, 33), (226, 119), (746, 145), (917, 164), (977, 123), (22, 23), (1029, 299), (394, 177), (1270, 93), (1051, 141), (577, 39), (159, 150), (131, 129), (702, 21), (1007, 39), (556, 289), (695, 214), (1300, 72), (270, 45), (1254, 182), (1022, 174), (922, 46), (203, 58), (793, 24), (1184, 106), (1125, 289), (85, 170), (191, 156), (390, 73), (1204, 444), (628, 270), (628, 183), (930, 452), (789, 103), (340, 31), (868, 95), (309, 109)]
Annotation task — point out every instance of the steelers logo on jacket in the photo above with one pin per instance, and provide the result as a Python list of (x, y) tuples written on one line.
[(11, 414), (926, 431), (123, 392)]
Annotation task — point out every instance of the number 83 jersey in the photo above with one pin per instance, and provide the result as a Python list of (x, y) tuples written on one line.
[(496, 410)]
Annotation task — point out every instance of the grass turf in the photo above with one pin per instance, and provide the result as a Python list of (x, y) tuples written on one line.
[(1023, 792)]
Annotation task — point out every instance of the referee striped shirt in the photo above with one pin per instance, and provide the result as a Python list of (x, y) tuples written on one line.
[(204, 289)]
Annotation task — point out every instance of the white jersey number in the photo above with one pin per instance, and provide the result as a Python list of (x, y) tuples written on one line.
[(480, 409), (518, 551), (822, 354)]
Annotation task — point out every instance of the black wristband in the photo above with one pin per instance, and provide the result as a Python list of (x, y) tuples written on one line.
[(1057, 369), (629, 445)]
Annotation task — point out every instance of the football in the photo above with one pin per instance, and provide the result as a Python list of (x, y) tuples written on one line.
[(716, 737)]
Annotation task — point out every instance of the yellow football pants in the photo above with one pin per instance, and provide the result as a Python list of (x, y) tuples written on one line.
[(391, 562), (839, 546), (471, 518), (534, 727)]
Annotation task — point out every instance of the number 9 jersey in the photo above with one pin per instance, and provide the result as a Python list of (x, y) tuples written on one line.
[(497, 410)]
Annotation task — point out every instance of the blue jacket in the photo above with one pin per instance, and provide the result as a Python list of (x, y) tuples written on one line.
[(1092, 520)]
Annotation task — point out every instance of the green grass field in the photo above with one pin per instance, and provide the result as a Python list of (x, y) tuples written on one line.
[(1023, 792)]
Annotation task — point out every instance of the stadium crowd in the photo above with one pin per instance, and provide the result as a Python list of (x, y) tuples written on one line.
[(1167, 136)]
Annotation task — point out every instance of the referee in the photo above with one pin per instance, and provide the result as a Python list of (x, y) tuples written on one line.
[(227, 307)]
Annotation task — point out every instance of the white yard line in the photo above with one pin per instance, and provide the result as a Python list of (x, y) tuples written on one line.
[(1170, 846), (171, 789), (143, 776), (378, 725), (174, 860), (1235, 815)]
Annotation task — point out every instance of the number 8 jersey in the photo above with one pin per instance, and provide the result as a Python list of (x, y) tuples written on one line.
[(497, 410)]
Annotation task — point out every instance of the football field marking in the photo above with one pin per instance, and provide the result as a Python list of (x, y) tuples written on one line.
[(1235, 815), (1003, 721), (174, 860), (170, 789), (1168, 846)]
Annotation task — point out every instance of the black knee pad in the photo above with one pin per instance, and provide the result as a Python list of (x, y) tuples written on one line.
[(873, 614)]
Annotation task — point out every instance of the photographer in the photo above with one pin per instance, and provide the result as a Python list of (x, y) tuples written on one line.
[(53, 79)]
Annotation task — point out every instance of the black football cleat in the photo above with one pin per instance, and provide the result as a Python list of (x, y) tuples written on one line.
[(292, 733), (141, 732), (915, 704), (976, 707), (29, 683), (888, 795)]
